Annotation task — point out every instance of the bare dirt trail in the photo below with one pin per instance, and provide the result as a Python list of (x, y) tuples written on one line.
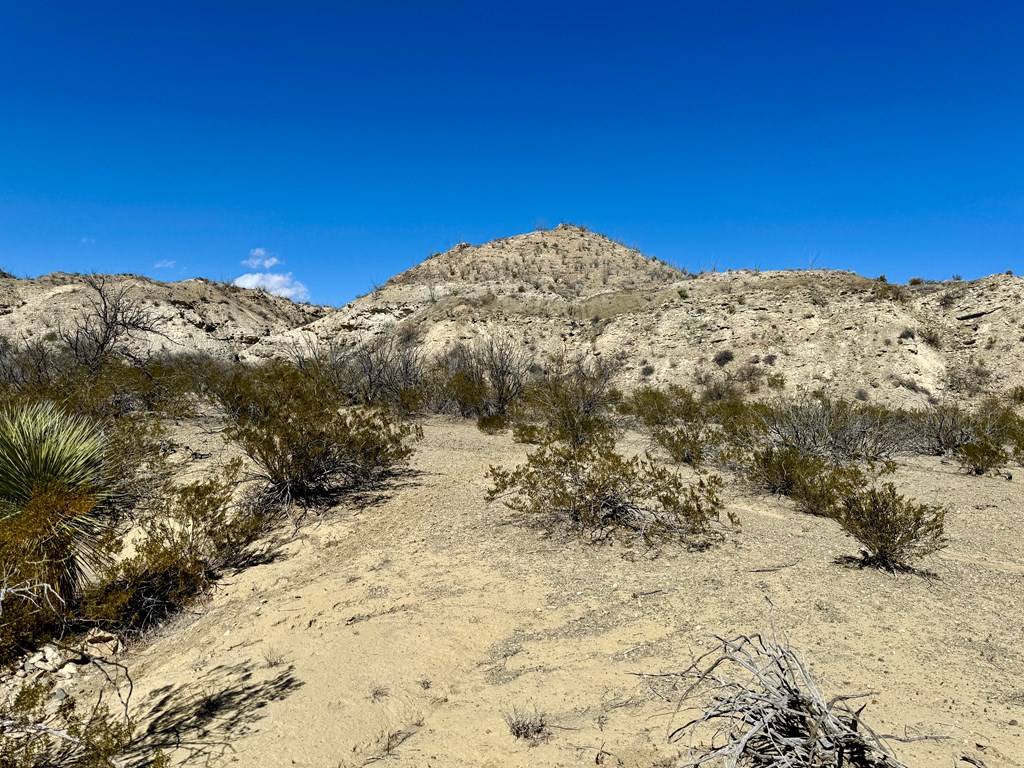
[(409, 629)]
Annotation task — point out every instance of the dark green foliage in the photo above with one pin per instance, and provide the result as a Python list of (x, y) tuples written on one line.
[(894, 531), (595, 491), (35, 735), (306, 444), (723, 357), (188, 535)]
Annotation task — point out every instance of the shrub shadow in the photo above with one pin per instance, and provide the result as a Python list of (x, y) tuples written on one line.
[(199, 721), (851, 561)]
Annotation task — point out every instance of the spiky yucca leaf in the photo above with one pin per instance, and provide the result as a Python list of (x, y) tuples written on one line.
[(54, 478), (43, 447)]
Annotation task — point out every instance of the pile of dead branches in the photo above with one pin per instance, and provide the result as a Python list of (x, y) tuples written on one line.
[(766, 711)]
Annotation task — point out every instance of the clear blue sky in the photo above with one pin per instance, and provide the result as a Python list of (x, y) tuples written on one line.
[(348, 140)]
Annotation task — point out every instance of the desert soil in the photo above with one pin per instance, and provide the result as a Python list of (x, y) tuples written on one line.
[(410, 628)]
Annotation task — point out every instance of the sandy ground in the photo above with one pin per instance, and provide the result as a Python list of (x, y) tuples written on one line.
[(410, 629)]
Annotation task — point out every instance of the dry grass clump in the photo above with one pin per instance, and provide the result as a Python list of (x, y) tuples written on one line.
[(530, 726), (767, 711)]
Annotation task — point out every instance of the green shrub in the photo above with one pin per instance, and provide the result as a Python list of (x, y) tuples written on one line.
[(492, 425), (894, 531), (571, 403), (305, 444), (187, 536), (35, 734), (822, 489), (981, 455), (656, 407), (780, 469), (595, 491)]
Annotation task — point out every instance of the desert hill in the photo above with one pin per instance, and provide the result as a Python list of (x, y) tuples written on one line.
[(192, 315), (569, 290)]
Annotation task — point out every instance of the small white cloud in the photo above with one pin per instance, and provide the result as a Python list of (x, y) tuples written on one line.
[(165, 264), (259, 258), (87, 240), (278, 285)]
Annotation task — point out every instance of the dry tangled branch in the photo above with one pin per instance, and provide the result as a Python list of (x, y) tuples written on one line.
[(766, 711)]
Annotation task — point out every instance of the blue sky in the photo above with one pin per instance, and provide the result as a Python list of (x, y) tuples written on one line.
[(335, 144)]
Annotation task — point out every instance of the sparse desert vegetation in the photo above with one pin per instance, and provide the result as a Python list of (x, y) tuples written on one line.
[(291, 524)]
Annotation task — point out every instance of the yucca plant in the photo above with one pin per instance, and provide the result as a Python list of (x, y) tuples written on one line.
[(54, 481)]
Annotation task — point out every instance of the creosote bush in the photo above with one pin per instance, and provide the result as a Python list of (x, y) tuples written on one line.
[(572, 402), (34, 734), (894, 530), (306, 444), (591, 489)]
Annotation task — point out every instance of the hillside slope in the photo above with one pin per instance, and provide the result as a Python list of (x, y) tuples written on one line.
[(572, 291), (193, 315)]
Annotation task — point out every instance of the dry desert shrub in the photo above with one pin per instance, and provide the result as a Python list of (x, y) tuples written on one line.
[(836, 429), (762, 708), (527, 725), (572, 402), (677, 421), (187, 536), (305, 442), (589, 488), (894, 531), (36, 734), (484, 381)]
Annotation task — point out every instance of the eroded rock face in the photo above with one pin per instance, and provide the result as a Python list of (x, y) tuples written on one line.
[(191, 316), (570, 291)]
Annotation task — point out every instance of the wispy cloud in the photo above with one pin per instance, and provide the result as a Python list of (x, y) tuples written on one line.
[(87, 240), (259, 258), (165, 264), (277, 284)]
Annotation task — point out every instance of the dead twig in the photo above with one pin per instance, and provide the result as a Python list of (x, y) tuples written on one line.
[(767, 711)]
